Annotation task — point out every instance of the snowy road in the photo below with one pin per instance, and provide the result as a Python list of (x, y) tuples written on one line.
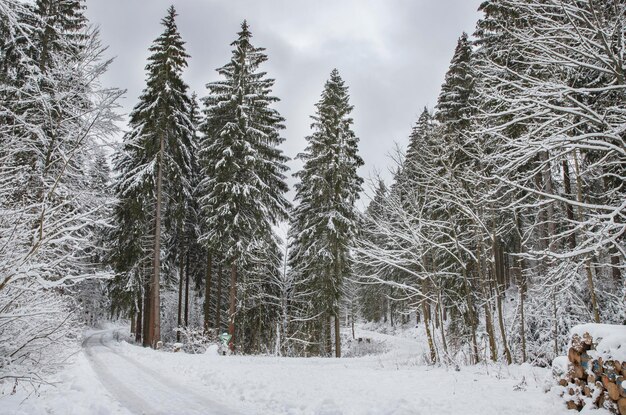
[(139, 388), (112, 377)]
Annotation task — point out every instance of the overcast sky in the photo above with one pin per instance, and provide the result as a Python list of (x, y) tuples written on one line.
[(393, 55)]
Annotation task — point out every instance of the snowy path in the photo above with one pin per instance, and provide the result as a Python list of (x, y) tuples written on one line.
[(139, 388), (113, 377)]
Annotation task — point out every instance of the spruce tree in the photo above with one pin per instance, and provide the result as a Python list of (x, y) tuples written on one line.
[(62, 31), (156, 167), (324, 222), (243, 169), (454, 104)]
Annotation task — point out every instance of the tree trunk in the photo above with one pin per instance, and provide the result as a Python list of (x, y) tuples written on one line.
[(497, 270), (327, 335), (569, 209), (541, 215), (431, 344), (155, 303), (488, 320), (218, 299), (207, 292), (133, 329), (187, 288), (579, 196), (442, 329), (556, 324), (233, 304), (179, 320), (549, 189), (139, 321), (337, 336), (615, 266), (522, 286), (385, 307), (147, 310), (522, 298), (352, 325), (472, 317)]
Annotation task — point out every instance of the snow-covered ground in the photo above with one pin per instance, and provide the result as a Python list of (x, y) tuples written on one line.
[(115, 377)]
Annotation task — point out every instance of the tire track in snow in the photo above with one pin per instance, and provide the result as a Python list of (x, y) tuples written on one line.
[(141, 389)]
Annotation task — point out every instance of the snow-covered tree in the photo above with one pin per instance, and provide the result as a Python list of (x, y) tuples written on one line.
[(155, 183), (243, 169), (324, 223), (55, 117)]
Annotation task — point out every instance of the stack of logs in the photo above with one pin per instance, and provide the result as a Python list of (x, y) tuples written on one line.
[(593, 380)]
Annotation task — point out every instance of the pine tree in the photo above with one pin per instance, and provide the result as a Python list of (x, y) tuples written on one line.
[(324, 223), (243, 169), (156, 168)]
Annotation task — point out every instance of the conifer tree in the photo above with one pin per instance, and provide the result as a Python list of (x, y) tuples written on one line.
[(62, 31), (324, 223), (156, 167), (455, 105), (243, 169)]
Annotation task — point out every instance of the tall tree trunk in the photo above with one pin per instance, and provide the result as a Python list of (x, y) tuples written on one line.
[(352, 326), (522, 299), (179, 320), (385, 307), (592, 290), (187, 288), (556, 323), (139, 322), (233, 304), (207, 292), (442, 328), (485, 291), (429, 337), (569, 209), (547, 181), (549, 189), (522, 285), (615, 266), (146, 315), (328, 335), (497, 270), (218, 299), (541, 215), (155, 302), (472, 316), (337, 336), (133, 328)]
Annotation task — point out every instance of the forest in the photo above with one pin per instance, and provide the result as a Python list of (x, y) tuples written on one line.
[(504, 224)]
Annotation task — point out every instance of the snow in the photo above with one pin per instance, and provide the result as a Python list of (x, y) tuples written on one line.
[(560, 366), (74, 391), (610, 339), (110, 377)]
